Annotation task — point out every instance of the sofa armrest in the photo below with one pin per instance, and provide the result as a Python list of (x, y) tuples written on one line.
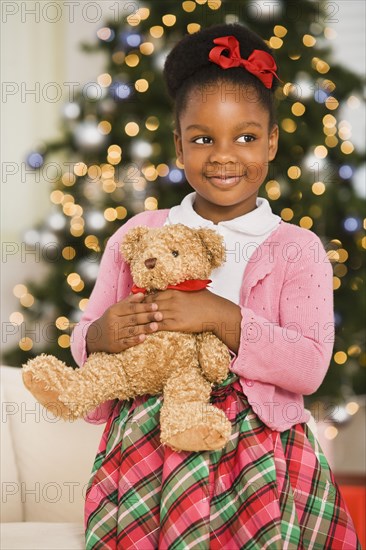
[(53, 457)]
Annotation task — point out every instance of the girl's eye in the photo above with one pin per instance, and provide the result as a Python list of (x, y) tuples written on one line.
[(175, 253), (246, 138), (205, 139)]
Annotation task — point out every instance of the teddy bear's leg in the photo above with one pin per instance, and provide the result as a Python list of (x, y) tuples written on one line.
[(188, 421), (46, 377), (213, 356), (100, 379)]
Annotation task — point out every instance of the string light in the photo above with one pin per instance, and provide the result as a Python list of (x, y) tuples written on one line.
[(306, 222), (169, 19), (157, 31), (193, 27), (331, 103), (132, 129), (331, 141), (141, 85), (106, 34), (105, 127), (110, 214), (68, 252), (147, 48), (143, 13), (16, 318), (287, 214), (62, 323), (330, 432), (94, 171), (352, 407), (318, 188), (26, 343), (336, 283), (162, 169), (152, 123), (308, 40), (132, 60), (188, 6), (280, 31), (57, 197), (330, 33), (289, 125), (69, 179), (150, 203), (92, 242), (214, 4), (134, 19), (64, 341), (340, 357), (319, 65), (121, 212), (118, 57), (275, 42), (104, 80), (347, 147), (294, 172), (298, 109), (27, 300), (19, 291), (273, 189), (320, 151), (80, 169), (83, 303)]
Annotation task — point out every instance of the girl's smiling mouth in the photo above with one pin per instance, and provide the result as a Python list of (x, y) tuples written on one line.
[(224, 180)]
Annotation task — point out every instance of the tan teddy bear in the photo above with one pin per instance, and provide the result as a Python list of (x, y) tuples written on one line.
[(182, 366)]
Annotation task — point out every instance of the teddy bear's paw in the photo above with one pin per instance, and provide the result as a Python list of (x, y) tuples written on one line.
[(45, 377), (46, 396), (199, 438), (213, 356), (208, 429)]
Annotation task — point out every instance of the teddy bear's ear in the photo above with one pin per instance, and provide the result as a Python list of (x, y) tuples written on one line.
[(214, 246), (131, 241)]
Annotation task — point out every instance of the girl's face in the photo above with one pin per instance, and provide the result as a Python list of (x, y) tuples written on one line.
[(225, 145)]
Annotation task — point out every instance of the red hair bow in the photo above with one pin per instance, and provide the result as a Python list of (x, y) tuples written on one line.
[(259, 63)]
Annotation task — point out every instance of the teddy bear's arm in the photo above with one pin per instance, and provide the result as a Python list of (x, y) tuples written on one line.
[(213, 356)]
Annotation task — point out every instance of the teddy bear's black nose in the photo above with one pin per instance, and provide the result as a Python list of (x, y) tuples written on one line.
[(150, 263)]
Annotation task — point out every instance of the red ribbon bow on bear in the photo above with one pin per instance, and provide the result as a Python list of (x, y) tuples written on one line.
[(187, 286), (259, 63)]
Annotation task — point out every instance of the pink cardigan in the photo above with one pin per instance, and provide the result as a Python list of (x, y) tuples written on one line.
[(287, 329)]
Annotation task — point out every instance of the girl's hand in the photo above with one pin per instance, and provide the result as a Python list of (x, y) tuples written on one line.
[(198, 311), (123, 325)]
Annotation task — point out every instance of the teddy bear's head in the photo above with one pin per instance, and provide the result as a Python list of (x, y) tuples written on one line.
[(171, 254)]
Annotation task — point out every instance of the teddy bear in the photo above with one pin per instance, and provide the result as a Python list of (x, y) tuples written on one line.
[(181, 366)]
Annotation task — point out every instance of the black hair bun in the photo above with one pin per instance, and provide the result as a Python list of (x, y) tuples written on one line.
[(190, 55)]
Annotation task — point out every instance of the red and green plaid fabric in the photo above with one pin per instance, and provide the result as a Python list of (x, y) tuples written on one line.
[(264, 490)]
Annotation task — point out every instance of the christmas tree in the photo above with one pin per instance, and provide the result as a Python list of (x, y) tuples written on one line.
[(116, 158)]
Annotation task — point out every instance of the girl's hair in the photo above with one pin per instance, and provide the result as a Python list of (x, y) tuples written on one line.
[(188, 68)]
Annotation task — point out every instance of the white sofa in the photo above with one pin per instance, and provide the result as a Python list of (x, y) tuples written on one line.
[(45, 468)]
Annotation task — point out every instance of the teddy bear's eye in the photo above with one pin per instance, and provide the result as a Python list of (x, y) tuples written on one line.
[(175, 253)]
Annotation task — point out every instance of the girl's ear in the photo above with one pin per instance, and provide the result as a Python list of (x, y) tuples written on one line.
[(131, 241), (178, 146), (273, 142)]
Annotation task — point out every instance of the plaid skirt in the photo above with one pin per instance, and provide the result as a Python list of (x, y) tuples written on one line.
[(264, 490)]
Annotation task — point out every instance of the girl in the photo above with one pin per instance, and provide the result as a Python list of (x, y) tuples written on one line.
[(271, 303)]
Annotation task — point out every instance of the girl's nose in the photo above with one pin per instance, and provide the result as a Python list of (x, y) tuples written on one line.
[(222, 153), (150, 263)]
